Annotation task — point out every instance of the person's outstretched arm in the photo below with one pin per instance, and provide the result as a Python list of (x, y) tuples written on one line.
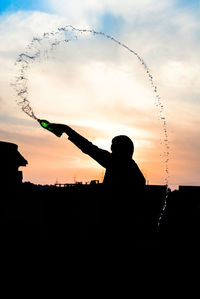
[(101, 156)]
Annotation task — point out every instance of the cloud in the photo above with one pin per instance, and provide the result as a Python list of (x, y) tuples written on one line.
[(97, 84), (89, 11)]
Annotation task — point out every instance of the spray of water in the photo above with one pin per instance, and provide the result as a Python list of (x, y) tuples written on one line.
[(45, 44)]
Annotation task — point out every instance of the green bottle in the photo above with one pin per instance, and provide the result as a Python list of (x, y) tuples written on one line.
[(47, 125)]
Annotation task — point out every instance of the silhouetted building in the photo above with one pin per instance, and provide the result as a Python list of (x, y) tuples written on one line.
[(10, 160), (190, 189)]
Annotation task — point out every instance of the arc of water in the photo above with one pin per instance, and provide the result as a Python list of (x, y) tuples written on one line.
[(70, 33)]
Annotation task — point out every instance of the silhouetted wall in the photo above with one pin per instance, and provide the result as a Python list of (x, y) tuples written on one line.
[(10, 161), (83, 212)]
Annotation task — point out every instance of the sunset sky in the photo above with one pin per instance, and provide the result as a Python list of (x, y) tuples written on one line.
[(101, 90)]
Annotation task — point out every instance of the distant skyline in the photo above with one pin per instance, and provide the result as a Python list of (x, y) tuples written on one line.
[(101, 90)]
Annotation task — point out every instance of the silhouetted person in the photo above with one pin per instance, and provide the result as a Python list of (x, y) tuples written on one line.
[(123, 182), (121, 170)]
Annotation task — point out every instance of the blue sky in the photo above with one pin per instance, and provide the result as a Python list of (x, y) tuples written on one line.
[(15, 5), (109, 21), (189, 3)]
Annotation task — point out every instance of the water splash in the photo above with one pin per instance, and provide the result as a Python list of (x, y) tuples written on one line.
[(42, 46)]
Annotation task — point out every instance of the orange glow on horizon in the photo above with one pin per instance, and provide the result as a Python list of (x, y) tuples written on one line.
[(102, 90)]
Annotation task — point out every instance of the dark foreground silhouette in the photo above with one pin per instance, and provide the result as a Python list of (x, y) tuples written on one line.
[(94, 212), (123, 182), (80, 213)]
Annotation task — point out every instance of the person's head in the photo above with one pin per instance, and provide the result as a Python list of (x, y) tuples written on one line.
[(122, 146)]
